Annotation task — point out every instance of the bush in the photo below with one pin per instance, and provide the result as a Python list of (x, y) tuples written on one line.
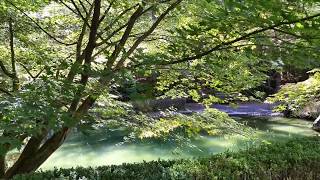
[(295, 159)]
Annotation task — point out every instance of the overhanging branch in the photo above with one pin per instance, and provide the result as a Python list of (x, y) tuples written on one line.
[(5, 71), (243, 37), (125, 36), (6, 92), (29, 72), (147, 33), (290, 33)]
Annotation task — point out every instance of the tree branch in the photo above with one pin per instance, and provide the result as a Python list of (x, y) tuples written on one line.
[(68, 7), (106, 11), (290, 33), (147, 33), (6, 92), (38, 25), (125, 36), (89, 2), (15, 79), (5, 71), (78, 10), (243, 37), (79, 56), (84, 8), (88, 51), (29, 72), (113, 22)]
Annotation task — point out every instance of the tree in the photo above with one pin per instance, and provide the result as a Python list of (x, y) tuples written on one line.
[(86, 46), (110, 30)]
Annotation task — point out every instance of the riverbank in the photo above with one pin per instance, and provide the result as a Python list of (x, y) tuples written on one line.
[(297, 159), (248, 109), (108, 148)]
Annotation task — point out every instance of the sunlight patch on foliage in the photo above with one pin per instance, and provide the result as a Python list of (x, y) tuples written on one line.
[(211, 122), (295, 96)]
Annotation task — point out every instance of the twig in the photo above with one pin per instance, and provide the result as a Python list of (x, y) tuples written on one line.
[(39, 26)]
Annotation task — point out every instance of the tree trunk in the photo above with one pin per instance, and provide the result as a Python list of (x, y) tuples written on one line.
[(29, 158), (2, 165), (28, 152), (15, 79), (33, 155), (33, 161)]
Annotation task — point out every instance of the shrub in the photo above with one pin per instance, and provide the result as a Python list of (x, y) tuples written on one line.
[(295, 159)]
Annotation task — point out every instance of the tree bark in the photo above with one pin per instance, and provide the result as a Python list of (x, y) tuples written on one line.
[(32, 161), (15, 86), (87, 55), (32, 157), (2, 164), (28, 152)]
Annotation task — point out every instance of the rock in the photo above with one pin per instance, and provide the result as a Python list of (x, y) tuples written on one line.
[(310, 111), (316, 124)]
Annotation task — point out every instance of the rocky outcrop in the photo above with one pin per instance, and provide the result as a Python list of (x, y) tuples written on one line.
[(310, 111)]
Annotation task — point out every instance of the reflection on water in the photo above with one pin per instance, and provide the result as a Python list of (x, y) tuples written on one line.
[(80, 150)]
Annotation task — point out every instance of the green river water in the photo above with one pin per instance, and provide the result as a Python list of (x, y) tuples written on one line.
[(102, 149)]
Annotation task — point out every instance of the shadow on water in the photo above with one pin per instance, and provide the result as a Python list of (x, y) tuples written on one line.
[(103, 147), (280, 125)]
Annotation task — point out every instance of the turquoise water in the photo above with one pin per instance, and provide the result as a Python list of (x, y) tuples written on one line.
[(106, 149)]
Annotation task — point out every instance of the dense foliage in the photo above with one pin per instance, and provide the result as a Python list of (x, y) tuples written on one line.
[(58, 58), (296, 159), (163, 126), (235, 44)]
